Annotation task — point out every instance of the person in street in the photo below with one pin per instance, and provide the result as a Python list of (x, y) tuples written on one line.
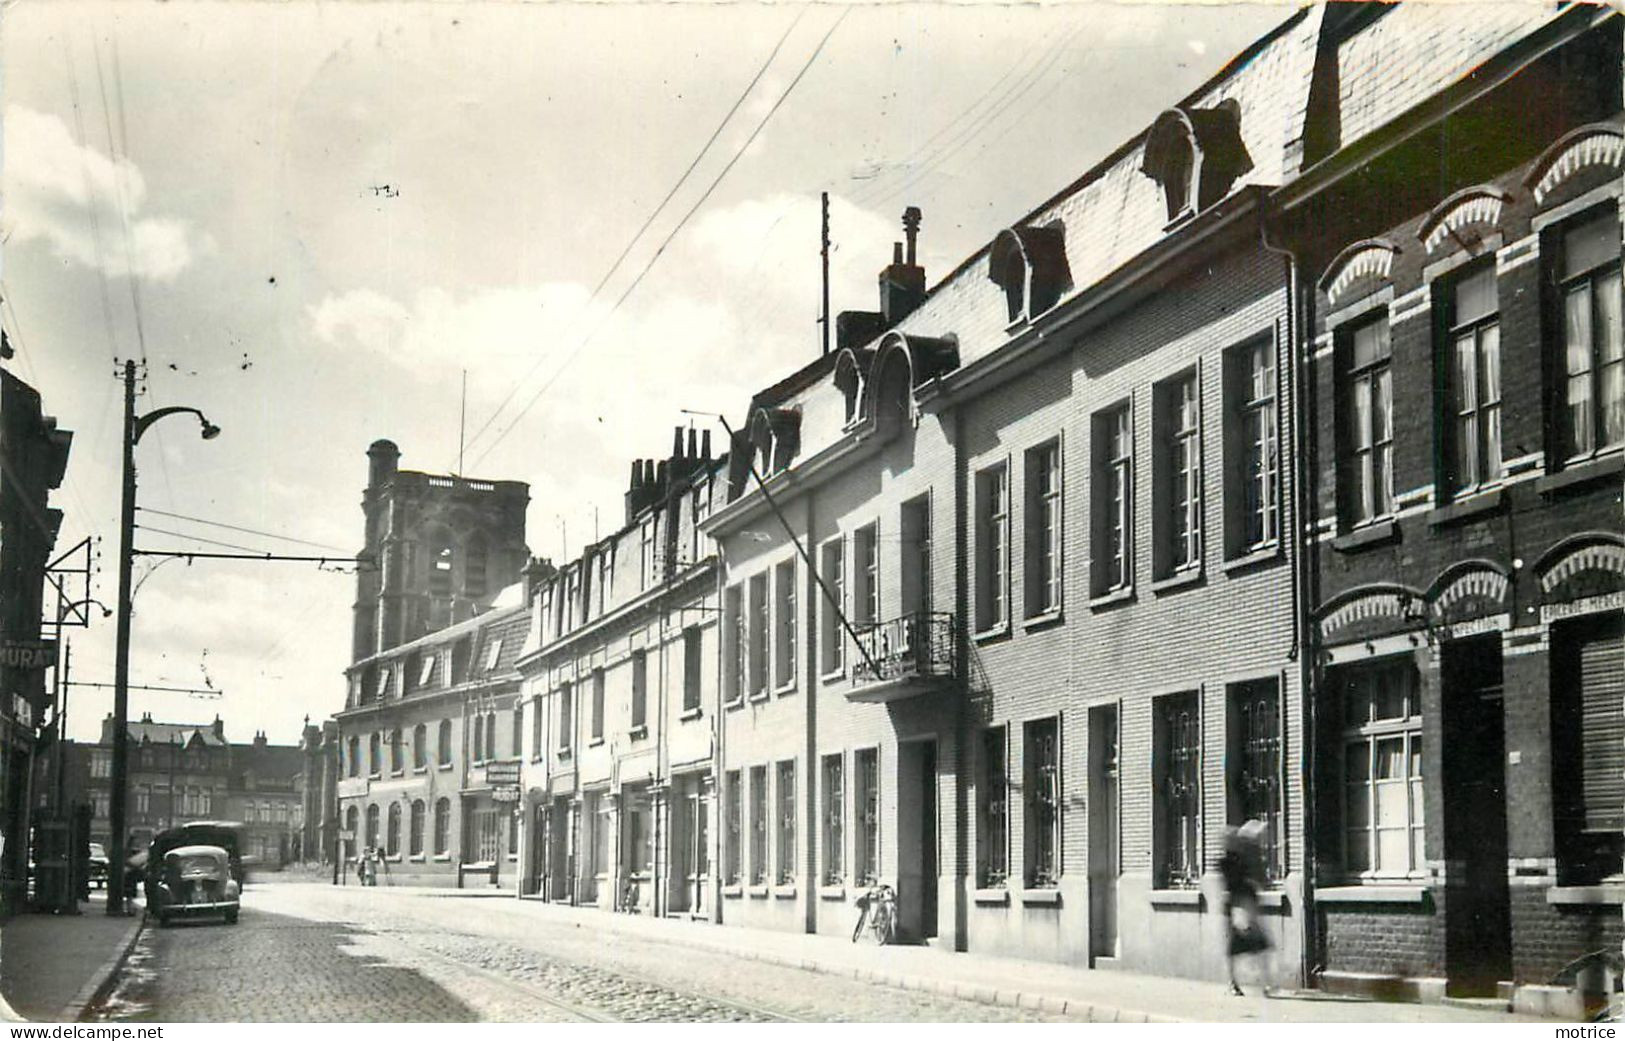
[(1242, 870)]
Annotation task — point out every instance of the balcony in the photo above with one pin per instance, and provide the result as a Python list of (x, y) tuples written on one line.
[(903, 657)]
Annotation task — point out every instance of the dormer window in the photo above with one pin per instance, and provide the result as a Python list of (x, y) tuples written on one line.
[(1029, 264), (1196, 155), (851, 376), (775, 437)]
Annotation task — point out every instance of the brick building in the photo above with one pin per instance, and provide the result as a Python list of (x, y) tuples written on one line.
[(1458, 242), (432, 688), (619, 682)]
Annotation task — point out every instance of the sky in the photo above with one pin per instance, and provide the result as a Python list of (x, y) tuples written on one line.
[(319, 222)]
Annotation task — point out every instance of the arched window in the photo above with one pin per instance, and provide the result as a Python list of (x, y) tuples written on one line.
[(445, 742), (355, 761), (420, 747), (476, 556), (397, 757), (416, 834), (479, 738), (394, 846), (375, 755), (351, 818), (441, 560), (372, 827), (442, 825)]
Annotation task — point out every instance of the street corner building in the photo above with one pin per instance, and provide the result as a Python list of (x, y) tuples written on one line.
[(1270, 470), (33, 459)]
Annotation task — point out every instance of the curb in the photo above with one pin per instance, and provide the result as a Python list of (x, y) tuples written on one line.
[(101, 982)]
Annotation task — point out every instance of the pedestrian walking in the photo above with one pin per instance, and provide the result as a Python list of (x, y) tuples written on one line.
[(1242, 870)]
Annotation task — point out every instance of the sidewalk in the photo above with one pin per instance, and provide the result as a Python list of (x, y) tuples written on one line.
[(1102, 995), (52, 966)]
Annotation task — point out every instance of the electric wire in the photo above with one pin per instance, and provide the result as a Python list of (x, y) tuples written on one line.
[(234, 527), (738, 154)]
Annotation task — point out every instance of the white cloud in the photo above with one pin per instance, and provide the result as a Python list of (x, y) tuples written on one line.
[(79, 200)]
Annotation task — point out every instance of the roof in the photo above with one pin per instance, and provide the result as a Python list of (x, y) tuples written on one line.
[(508, 604), (184, 734)]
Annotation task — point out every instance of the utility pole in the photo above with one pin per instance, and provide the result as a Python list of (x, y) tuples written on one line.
[(119, 782)]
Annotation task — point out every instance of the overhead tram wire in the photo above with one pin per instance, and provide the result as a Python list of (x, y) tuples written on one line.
[(576, 351), (234, 527), (90, 200), (116, 151), (654, 214), (199, 538)]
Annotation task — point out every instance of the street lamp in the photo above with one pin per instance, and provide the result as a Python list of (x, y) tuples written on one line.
[(134, 427)]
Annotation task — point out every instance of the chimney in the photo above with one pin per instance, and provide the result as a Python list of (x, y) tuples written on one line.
[(260, 740), (705, 445), (693, 454), (676, 444), (534, 574), (902, 284), (383, 456), (219, 727)]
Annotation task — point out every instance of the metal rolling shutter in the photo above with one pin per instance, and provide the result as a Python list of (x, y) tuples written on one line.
[(1600, 660)]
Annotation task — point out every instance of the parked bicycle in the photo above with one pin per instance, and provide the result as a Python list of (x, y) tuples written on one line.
[(877, 911)]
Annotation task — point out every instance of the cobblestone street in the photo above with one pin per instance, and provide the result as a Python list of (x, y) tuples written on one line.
[(316, 953)]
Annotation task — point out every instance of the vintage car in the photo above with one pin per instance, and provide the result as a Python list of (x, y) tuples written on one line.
[(192, 833), (98, 865), (191, 881)]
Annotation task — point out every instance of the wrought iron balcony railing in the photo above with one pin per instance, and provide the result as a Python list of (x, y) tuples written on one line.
[(911, 646)]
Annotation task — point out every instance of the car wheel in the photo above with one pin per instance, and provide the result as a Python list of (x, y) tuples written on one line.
[(231, 917)]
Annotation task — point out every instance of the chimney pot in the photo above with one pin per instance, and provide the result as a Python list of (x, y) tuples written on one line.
[(896, 252), (705, 445), (911, 229), (637, 475), (677, 443), (693, 444)]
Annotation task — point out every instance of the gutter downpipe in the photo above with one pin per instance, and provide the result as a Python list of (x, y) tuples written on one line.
[(1301, 652)]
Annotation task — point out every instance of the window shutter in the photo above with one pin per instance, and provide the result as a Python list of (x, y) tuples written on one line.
[(1601, 661)]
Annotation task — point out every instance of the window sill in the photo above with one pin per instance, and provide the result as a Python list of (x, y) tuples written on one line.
[(735, 703), (1273, 898), (595, 742), (689, 713), (992, 632), (1467, 507), (832, 892), (758, 697), (1111, 598), (416, 858), (1372, 894), (1252, 558), (785, 688), (1176, 898), (1045, 897), (1178, 580), (1578, 473), (999, 896), (1043, 621), (1586, 895), (375, 777), (834, 675), (445, 766), (442, 858), (637, 733), (561, 754), (732, 891), (1375, 534), (397, 773), (758, 891), (784, 892), (420, 769)]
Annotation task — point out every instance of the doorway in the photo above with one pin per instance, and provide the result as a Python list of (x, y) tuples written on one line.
[(917, 837), (1478, 920), (691, 855), (1104, 862)]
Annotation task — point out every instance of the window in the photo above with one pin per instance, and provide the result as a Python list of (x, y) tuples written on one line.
[(693, 668), (1113, 500), (648, 553), (834, 820), (866, 858), (384, 676), (101, 764), (445, 742), (832, 636), (1177, 805), (516, 742), (1382, 769), (758, 825), (1593, 389), (538, 728), (1253, 764), (143, 799), (640, 690), (597, 807), (638, 837), (1252, 508), (1472, 375), (787, 822), (351, 817), (784, 608), (375, 755), (393, 848), (474, 567), (490, 735), (479, 738), (420, 747), (758, 634), (597, 733), (992, 547), (1368, 397), (993, 833), (1043, 548), (102, 804), (566, 717), (426, 676), (1588, 740), (1042, 761), (733, 636), (493, 654), (372, 827), (1176, 179), (916, 569), (732, 850), (604, 586), (355, 757), (1179, 460), (866, 561), (397, 754), (442, 826)]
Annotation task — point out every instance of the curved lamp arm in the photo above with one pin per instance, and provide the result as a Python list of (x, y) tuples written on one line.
[(210, 431)]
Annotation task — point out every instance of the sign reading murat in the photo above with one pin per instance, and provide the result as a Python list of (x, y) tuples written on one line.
[(27, 654)]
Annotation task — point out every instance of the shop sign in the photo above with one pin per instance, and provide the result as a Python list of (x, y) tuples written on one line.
[(27, 654), (502, 775), (506, 793)]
